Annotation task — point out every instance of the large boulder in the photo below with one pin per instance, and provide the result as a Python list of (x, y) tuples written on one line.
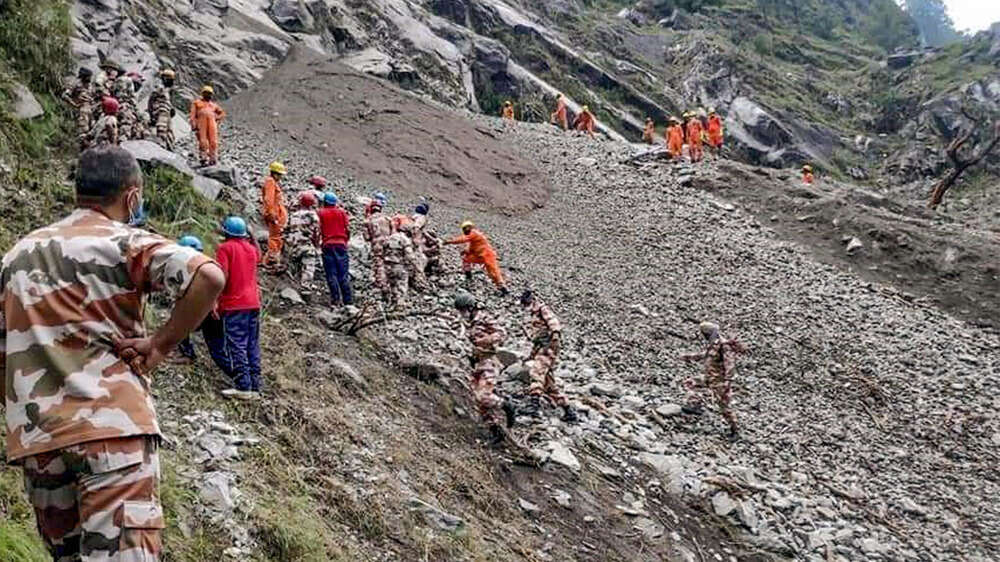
[(26, 106), (153, 155), (766, 139), (292, 16)]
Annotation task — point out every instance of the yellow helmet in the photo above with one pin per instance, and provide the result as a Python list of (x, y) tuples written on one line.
[(467, 224), (278, 168), (585, 108), (807, 168), (508, 102), (711, 111), (168, 73), (206, 89)]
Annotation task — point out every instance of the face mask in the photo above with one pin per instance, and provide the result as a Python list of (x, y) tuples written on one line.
[(136, 215)]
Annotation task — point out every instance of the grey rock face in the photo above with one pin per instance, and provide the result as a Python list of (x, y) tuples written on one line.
[(26, 106)]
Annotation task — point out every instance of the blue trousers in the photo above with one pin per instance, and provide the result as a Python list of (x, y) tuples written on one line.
[(336, 266), (234, 343)]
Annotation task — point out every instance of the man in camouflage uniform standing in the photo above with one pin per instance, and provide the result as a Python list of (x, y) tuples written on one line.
[(486, 335), (303, 239), (545, 332), (106, 128), (129, 125), (720, 365), (378, 229), (106, 87), (161, 109), (77, 363), (399, 262), (81, 98), (432, 253)]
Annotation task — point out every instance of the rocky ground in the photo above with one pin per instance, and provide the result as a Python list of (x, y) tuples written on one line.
[(868, 417)]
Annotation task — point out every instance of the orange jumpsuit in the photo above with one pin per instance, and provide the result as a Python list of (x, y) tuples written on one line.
[(694, 130), (560, 113), (715, 137), (205, 119), (275, 217), (584, 122), (675, 140), (649, 133), (479, 251), (508, 112)]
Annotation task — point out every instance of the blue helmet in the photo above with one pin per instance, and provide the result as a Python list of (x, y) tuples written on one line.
[(234, 227), (381, 197), (422, 209), (191, 242), (330, 198)]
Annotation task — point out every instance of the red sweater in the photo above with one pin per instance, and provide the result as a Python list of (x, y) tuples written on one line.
[(335, 226), (238, 258)]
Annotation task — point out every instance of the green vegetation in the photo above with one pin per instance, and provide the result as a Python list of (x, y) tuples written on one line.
[(931, 17), (19, 541), (176, 209)]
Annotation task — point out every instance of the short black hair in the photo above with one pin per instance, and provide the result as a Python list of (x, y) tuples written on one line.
[(105, 171)]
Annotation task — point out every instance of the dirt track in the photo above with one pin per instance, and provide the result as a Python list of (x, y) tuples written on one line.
[(384, 136)]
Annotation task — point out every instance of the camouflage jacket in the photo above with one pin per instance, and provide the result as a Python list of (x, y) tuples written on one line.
[(80, 96), (124, 90), (419, 224), (432, 244), (719, 357), (399, 250), (103, 88), (159, 104), (303, 235), (485, 334), (67, 290), (105, 131), (542, 323), (378, 228)]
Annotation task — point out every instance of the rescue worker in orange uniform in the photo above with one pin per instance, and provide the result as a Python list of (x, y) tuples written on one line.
[(508, 111), (694, 131), (205, 118), (807, 174), (585, 121), (275, 214), (675, 138), (649, 133), (560, 113), (715, 135), (479, 251)]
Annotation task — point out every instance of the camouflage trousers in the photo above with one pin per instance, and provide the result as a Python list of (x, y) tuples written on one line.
[(379, 278), (306, 261), (399, 284), (84, 122), (418, 279), (717, 385), (129, 127), (433, 266), (482, 382), (543, 382), (164, 132), (98, 501)]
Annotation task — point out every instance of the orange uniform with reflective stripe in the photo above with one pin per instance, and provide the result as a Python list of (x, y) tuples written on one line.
[(694, 130), (715, 137), (560, 113), (479, 251), (275, 216), (675, 140), (585, 122), (205, 118)]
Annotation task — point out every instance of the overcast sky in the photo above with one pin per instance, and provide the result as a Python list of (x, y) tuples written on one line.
[(975, 15)]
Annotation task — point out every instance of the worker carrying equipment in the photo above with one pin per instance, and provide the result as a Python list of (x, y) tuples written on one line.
[(205, 118), (479, 251)]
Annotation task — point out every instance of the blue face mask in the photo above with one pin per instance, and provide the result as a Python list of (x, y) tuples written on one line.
[(137, 215)]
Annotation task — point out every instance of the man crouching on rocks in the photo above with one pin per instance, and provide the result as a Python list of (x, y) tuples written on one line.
[(720, 364), (486, 335)]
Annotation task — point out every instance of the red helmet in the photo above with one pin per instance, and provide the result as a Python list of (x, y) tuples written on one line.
[(307, 199), (109, 105), (318, 181)]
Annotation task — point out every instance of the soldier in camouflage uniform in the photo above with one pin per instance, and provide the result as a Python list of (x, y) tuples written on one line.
[(77, 363), (400, 260), (720, 365), (378, 229), (129, 125), (161, 109), (81, 98), (303, 239), (432, 252), (545, 332), (486, 335), (106, 87), (106, 129)]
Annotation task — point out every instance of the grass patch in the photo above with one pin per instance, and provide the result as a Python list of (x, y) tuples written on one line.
[(176, 209), (187, 537), (289, 530), (19, 541)]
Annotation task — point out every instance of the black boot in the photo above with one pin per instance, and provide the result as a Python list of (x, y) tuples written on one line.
[(533, 408), (468, 277), (693, 409), (569, 414), (509, 412), (497, 435), (503, 292)]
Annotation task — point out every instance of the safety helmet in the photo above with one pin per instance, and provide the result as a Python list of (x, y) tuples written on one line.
[(585, 108), (277, 168), (526, 297), (709, 329), (84, 72), (807, 168), (330, 198), (307, 199), (422, 209), (508, 102), (168, 73), (189, 241), (234, 227), (467, 224), (109, 105), (464, 301), (110, 64), (711, 111), (206, 89), (382, 197), (318, 182)]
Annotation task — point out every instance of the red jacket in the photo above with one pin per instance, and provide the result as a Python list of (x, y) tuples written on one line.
[(335, 226), (238, 258)]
